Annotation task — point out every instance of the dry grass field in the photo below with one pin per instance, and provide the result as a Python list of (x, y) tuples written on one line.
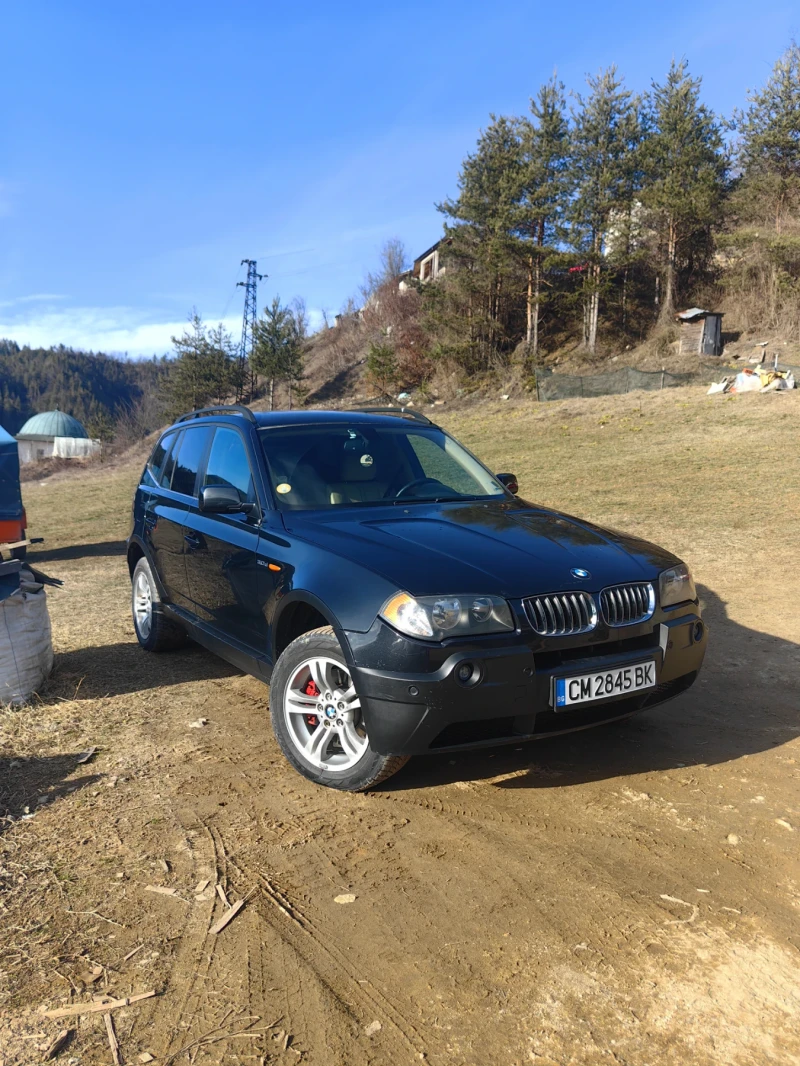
[(628, 896)]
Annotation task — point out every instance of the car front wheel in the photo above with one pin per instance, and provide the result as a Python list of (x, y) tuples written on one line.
[(317, 717)]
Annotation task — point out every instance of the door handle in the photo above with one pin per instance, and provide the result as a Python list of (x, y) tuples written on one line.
[(150, 521)]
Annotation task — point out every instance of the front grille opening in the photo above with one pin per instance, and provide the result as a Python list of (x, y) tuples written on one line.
[(561, 614), (624, 605), (547, 660)]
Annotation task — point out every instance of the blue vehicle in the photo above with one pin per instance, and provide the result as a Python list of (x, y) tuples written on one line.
[(397, 596), (13, 521)]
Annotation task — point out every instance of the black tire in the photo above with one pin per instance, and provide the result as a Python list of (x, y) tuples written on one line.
[(163, 634), (372, 768)]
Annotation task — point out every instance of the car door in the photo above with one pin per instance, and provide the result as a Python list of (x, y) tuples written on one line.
[(165, 513), (163, 520), (226, 585)]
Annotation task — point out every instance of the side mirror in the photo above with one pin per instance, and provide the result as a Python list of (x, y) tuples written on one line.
[(223, 499), (510, 482)]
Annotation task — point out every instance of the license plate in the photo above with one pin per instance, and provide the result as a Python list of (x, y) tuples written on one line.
[(620, 681)]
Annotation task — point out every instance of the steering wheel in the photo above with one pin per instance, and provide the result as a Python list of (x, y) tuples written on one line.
[(416, 481)]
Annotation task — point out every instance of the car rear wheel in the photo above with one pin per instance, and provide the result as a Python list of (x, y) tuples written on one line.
[(317, 717), (154, 630)]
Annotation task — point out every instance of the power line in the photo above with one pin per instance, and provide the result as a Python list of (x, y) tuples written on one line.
[(249, 319)]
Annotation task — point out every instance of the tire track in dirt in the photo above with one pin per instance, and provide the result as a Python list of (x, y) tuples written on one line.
[(356, 995)]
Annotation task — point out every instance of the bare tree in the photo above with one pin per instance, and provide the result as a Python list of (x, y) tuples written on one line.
[(392, 260)]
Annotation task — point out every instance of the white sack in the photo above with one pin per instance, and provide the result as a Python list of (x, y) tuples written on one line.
[(75, 447), (746, 383), (26, 647)]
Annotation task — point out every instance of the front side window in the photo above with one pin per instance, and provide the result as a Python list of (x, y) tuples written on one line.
[(189, 456), (229, 465), (332, 465)]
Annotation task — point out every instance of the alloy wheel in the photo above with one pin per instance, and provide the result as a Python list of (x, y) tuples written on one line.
[(323, 715), (143, 605)]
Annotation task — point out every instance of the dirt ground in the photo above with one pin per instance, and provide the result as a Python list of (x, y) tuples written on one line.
[(629, 895)]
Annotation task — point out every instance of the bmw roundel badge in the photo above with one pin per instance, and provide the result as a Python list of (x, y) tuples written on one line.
[(578, 572)]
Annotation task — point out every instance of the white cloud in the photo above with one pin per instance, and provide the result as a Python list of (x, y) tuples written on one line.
[(108, 329), (33, 298)]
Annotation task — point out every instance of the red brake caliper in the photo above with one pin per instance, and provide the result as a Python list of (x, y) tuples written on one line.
[(311, 690)]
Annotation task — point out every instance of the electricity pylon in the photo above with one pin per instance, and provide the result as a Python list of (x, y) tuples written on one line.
[(248, 322)]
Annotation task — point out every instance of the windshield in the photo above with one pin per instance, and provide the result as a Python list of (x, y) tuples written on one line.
[(334, 465)]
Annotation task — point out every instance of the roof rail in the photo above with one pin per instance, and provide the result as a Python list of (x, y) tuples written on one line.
[(404, 412), (221, 409)]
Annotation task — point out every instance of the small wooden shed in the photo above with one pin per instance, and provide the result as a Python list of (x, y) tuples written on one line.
[(701, 331)]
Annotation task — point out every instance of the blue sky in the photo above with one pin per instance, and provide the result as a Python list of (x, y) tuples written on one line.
[(146, 148)]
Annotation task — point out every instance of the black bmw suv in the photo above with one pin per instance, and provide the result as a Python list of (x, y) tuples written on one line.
[(397, 596)]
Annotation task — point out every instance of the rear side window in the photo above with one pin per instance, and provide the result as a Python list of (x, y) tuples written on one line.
[(189, 456), (229, 465), (155, 464)]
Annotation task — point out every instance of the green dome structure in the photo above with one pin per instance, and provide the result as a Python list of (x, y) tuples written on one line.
[(51, 424)]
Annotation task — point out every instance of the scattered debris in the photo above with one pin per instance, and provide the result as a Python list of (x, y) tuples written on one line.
[(287, 1041), (86, 756), (682, 921), (163, 890), (112, 1040), (198, 723), (373, 1028), (227, 917), (95, 1008), (164, 865), (132, 953), (221, 894), (201, 886), (58, 1044), (732, 839), (346, 897), (89, 977), (146, 1057), (757, 379), (785, 824)]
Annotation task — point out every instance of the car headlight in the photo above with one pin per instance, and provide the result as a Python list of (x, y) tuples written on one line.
[(676, 585), (439, 617)]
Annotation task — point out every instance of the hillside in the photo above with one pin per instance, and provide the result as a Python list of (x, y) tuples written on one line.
[(94, 387), (336, 362)]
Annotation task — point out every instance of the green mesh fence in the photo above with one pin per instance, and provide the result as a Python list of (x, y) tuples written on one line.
[(626, 379)]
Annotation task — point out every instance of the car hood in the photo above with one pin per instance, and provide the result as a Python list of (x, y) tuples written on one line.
[(507, 547)]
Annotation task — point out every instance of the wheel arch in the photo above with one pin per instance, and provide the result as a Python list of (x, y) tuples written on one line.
[(135, 553), (301, 612)]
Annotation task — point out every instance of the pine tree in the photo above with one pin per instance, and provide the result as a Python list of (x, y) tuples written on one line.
[(484, 240), (277, 348), (201, 371), (768, 152), (382, 367), (605, 140), (544, 189), (222, 362), (685, 173)]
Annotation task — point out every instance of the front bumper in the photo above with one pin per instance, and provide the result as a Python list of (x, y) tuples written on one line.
[(422, 706)]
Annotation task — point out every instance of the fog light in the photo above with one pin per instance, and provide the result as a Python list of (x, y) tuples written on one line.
[(699, 630), (465, 672)]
